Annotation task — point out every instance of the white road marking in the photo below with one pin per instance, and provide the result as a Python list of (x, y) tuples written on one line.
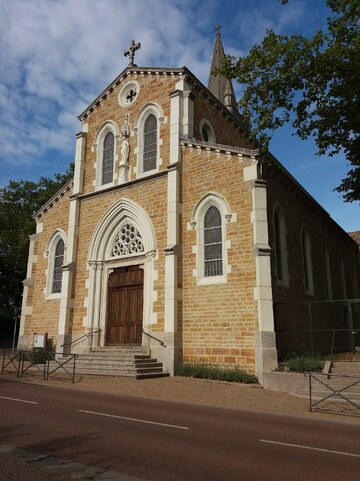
[(342, 453), (133, 419), (18, 400)]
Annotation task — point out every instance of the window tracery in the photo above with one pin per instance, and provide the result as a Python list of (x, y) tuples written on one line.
[(127, 242)]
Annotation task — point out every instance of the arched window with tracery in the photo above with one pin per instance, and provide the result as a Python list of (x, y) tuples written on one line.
[(58, 265), (108, 159), (150, 143), (213, 243)]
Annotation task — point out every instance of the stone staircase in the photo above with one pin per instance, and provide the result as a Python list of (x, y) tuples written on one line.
[(127, 361)]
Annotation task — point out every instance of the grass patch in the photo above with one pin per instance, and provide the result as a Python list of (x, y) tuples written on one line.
[(306, 363), (203, 371)]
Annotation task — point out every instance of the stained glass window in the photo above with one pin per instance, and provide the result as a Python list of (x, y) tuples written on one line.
[(150, 143), (58, 264), (108, 159), (213, 261)]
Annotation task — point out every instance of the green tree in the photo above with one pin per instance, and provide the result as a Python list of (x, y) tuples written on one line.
[(19, 200), (313, 84)]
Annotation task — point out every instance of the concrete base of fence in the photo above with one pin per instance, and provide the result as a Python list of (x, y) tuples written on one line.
[(293, 383)]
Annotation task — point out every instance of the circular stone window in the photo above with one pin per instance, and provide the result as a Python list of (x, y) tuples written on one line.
[(207, 132), (129, 94)]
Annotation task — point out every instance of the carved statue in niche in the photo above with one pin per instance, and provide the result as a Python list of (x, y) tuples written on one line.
[(125, 150)]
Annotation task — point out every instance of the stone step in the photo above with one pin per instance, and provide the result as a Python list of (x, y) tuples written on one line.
[(343, 367), (121, 349), (118, 369), (129, 361), (123, 373), (105, 366), (109, 360), (152, 375), (113, 358)]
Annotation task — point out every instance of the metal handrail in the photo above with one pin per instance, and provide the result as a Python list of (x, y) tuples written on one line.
[(81, 337), (153, 337)]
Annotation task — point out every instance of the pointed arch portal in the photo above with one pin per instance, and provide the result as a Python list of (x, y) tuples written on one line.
[(121, 262)]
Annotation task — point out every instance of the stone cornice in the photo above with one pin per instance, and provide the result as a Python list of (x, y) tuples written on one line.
[(123, 186), (54, 199), (182, 72), (219, 148), (128, 72)]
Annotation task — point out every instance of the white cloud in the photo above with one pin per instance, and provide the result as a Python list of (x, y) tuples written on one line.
[(58, 55)]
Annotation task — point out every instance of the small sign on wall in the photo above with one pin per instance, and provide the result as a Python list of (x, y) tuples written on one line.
[(40, 341)]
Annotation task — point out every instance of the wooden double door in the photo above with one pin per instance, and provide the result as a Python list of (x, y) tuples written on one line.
[(125, 306)]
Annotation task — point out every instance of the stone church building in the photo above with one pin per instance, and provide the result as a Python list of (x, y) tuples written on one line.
[(172, 237)]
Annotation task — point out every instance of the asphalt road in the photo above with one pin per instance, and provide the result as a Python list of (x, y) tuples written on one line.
[(157, 440)]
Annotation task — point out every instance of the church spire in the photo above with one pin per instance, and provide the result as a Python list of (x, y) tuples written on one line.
[(218, 84)]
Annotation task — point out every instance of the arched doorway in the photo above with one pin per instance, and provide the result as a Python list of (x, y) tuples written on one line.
[(121, 279), (125, 306)]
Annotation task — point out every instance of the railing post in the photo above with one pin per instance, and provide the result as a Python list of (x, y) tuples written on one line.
[(311, 327), (46, 369), (351, 326), (21, 364), (310, 393), (73, 376), (332, 345), (3, 362)]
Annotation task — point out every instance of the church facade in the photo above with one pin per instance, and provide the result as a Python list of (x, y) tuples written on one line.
[(172, 236)]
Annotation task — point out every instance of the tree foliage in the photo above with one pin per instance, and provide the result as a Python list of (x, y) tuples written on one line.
[(19, 200), (313, 84)]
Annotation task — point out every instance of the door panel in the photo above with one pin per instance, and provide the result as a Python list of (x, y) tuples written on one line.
[(125, 306)]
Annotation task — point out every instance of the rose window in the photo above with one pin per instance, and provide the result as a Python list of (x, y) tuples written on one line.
[(128, 241)]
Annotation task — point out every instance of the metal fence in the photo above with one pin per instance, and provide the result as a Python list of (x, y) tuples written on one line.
[(337, 393), (39, 363), (324, 327)]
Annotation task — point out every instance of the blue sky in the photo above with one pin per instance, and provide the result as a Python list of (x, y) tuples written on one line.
[(56, 56)]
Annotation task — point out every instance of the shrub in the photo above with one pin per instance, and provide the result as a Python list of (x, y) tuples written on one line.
[(203, 371), (306, 363)]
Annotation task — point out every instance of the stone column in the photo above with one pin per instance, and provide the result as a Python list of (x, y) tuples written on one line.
[(28, 283), (66, 301), (171, 250), (266, 353)]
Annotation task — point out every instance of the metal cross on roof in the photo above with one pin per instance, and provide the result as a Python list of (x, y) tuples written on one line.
[(217, 29), (130, 52)]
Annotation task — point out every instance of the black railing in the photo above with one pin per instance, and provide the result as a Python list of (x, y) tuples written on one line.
[(67, 366), (334, 393), (12, 359), (153, 337), (38, 362)]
